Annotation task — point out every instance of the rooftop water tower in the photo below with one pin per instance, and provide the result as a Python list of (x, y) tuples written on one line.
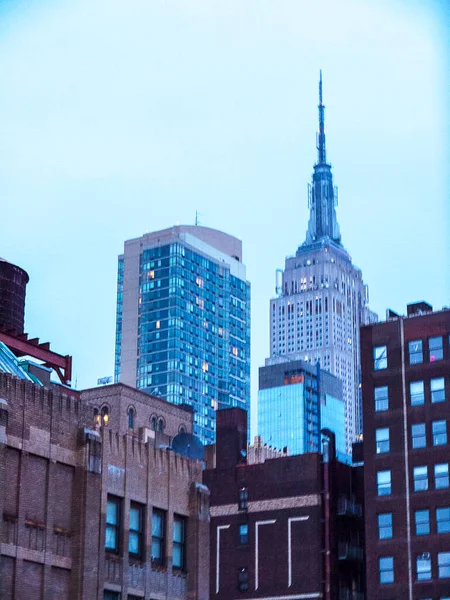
[(13, 282)]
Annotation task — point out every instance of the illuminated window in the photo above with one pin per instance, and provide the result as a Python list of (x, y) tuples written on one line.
[(158, 324), (151, 274), (235, 351), (205, 367)]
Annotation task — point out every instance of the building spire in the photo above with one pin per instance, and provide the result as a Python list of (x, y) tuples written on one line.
[(321, 148), (322, 193)]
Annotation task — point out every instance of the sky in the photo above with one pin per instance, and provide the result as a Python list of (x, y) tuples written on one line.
[(118, 118)]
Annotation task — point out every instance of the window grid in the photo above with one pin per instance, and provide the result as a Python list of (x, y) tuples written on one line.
[(415, 352), (420, 479), (382, 440), (385, 526), (135, 535), (179, 543), (422, 519), (423, 567), (417, 393), (439, 431), (437, 389), (386, 569), (418, 435), (443, 519), (379, 358), (381, 398), (384, 483), (113, 516), (158, 536), (443, 565), (441, 479), (436, 348)]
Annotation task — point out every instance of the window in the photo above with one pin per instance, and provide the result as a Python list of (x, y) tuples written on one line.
[(423, 566), (385, 526), (135, 545), (158, 536), (416, 393), (420, 479), (382, 440), (439, 430), (437, 388), (381, 398), (443, 565), (243, 580), (443, 519), (243, 534), (384, 483), (379, 358), (418, 435), (154, 423), (422, 518), (112, 537), (161, 425), (243, 499), (107, 595), (179, 542), (386, 566), (436, 348), (130, 418), (441, 476), (415, 352)]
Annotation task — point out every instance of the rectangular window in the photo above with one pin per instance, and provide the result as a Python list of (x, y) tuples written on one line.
[(381, 398), (384, 483), (385, 526), (415, 352), (243, 499), (418, 435), (441, 476), (386, 566), (416, 392), (382, 440), (423, 566), (243, 580), (443, 519), (439, 429), (179, 542), (135, 545), (436, 348), (379, 358), (107, 595), (113, 516), (437, 388), (443, 565), (422, 518), (420, 479), (158, 536), (243, 534)]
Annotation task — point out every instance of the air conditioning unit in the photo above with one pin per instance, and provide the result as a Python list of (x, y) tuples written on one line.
[(145, 434)]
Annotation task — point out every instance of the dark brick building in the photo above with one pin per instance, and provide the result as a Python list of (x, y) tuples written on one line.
[(283, 528), (406, 394), (94, 512)]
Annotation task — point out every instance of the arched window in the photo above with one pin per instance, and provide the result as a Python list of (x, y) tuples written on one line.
[(105, 410), (131, 418), (154, 423), (161, 425)]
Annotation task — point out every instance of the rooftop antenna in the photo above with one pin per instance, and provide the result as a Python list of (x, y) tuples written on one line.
[(321, 150), (197, 214)]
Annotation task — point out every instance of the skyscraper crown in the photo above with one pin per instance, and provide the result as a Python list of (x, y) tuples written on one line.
[(322, 200)]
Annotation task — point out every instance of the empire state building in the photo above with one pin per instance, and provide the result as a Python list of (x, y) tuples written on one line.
[(321, 299)]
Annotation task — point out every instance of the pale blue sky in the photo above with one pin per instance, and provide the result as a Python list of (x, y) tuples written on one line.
[(119, 117)]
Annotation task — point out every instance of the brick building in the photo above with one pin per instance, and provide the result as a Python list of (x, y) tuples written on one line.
[(95, 512), (262, 513), (406, 393)]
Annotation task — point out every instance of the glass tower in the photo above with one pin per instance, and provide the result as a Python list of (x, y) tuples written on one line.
[(183, 321)]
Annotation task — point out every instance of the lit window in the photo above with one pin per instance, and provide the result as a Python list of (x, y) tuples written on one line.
[(416, 393), (112, 536), (443, 565), (151, 274), (381, 398), (423, 566), (205, 367), (386, 569), (436, 348), (422, 518), (420, 479), (158, 324), (158, 536), (415, 352), (437, 388), (179, 542), (384, 483), (243, 534), (235, 351), (385, 526), (382, 440), (379, 358), (418, 435), (443, 519), (135, 544), (441, 476), (439, 430)]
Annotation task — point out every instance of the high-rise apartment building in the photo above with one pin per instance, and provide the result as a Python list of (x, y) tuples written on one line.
[(183, 321), (321, 297), (406, 393)]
